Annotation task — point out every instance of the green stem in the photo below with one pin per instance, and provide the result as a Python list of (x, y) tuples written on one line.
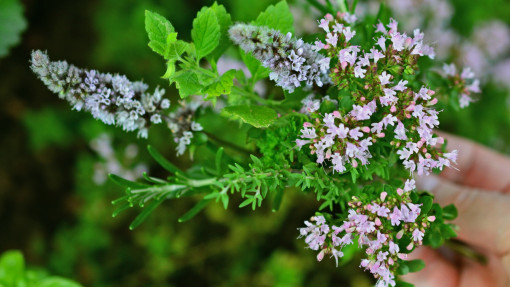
[(228, 144), (343, 6), (319, 6)]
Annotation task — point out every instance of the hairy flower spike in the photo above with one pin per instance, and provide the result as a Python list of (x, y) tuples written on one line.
[(291, 61), (113, 99)]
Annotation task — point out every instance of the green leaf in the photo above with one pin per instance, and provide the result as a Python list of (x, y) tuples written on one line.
[(57, 282), (224, 21), (277, 17), (158, 29), (126, 183), (219, 155), (257, 116), (415, 265), (12, 268), (12, 24), (222, 86), (193, 211), (174, 49), (206, 32), (254, 66), (145, 213), (246, 202), (188, 84), (450, 212), (403, 284), (427, 204), (447, 231), (162, 160), (277, 201)]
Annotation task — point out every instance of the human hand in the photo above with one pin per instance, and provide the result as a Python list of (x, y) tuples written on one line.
[(480, 189)]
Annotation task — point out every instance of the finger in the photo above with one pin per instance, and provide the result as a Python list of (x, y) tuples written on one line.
[(477, 166), (493, 274), (482, 215), (438, 271)]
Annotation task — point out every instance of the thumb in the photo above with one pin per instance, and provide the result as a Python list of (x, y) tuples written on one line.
[(482, 216)]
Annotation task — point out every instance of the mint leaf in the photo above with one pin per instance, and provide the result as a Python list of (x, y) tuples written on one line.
[(187, 83), (55, 281), (174, 49), (277, 17), (12, 23), (224, 20), (206, 32), (221, 87), (158, 29), (257, 116), (254, 66)]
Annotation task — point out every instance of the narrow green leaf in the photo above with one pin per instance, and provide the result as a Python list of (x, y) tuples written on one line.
[(206, 32), (277, 17), (145, 213), (126, 183), (158, 28), (193, 211), (162, 160), (246, 202), (257, 116), (277, 201), (219, 155)]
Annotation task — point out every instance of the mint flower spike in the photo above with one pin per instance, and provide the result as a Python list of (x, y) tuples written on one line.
[(291, 61), (112, 99)]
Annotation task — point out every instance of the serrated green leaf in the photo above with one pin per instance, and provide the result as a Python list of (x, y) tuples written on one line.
[(224, 20), (126, 183), (277, 17), (12, 24), (174, 49), (257, 116), (170, 71), (162, 160), (193, 211), (158, 29), (188, 84), (206, 32), (254, 66), (222, 86), (145, 213)]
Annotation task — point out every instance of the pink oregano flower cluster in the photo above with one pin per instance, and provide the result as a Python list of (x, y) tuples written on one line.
[(383, 107), (373, 225)]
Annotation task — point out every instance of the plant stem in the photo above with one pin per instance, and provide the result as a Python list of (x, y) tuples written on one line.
[(228, 144)]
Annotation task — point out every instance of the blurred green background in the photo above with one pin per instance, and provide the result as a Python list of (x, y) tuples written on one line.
[(60, 218)]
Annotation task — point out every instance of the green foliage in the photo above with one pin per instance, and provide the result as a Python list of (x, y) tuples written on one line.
[(257, 116), (159, 30), (12, 24), (13, 273), (277, 17), (206, 32)]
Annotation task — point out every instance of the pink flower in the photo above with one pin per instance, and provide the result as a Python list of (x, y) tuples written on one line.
[(384, 78)]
